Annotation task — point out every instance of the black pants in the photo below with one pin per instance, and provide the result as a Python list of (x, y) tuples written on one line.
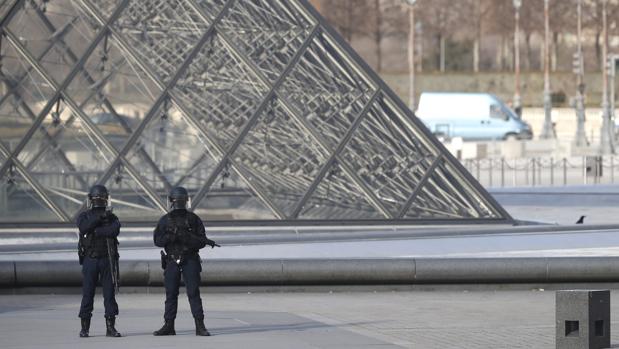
[(93, 270), (190, 268)]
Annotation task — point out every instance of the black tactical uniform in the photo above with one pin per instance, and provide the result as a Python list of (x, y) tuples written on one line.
[(181, 233), (98, 228)]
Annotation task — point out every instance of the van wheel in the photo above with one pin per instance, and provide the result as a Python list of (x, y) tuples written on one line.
[(510, 137)]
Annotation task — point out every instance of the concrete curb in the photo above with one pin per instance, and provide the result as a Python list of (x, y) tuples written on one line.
[(287, 272)]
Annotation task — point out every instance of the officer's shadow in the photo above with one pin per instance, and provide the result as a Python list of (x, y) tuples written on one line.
[(302, 326)]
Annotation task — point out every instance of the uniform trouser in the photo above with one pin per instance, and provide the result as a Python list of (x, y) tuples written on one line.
[(93, 270), (190, 268)]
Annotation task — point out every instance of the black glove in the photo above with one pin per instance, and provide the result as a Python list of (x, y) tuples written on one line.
[(213, 244), (105, 217)]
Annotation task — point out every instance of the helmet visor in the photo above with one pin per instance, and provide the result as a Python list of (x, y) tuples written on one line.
[(98, 201)]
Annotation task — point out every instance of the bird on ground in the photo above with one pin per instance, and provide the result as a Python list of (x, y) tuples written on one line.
[(581, 220)]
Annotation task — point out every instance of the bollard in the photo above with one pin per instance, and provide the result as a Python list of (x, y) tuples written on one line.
[(514, 174), (582, 319)]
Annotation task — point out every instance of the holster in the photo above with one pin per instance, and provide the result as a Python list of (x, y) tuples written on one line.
[(164, 260)]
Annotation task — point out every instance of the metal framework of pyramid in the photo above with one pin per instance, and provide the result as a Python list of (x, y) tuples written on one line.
[(256, 106)]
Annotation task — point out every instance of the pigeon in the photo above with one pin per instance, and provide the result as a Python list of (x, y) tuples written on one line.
[(580, 220)]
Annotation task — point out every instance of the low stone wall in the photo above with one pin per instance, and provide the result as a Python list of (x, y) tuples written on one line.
[(287, 272)]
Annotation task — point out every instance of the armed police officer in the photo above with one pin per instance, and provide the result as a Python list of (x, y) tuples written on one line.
[(98, 254), (181, 233)]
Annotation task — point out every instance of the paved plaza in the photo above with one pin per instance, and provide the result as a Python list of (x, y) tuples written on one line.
[(406, 319)]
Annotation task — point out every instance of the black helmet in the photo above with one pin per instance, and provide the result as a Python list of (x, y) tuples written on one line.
[(98, 196), (178, 198)]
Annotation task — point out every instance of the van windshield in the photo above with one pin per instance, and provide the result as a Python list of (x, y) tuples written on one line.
[(509, 111), (499, 110)]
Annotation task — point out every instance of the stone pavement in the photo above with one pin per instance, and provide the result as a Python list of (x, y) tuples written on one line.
[(409, 319)]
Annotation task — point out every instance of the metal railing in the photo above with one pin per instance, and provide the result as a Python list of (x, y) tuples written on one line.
[(544, 171)]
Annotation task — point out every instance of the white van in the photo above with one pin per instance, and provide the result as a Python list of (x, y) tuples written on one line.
[(472, 116)]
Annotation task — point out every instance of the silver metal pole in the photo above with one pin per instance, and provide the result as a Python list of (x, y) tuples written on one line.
[(411, 56), (607, 145), (502, 172), (579, 105), (490, 169), (584, 170), (547, 131), (533, 172), (517, 103), (552, 171), (564, 171)]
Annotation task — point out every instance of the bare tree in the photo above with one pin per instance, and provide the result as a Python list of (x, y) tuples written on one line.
[(345, 16), (388, 21), (441, 18), (531, 22), (500, 22)]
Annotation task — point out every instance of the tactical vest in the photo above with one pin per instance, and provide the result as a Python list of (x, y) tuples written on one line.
[(96, 246), (178, 225)]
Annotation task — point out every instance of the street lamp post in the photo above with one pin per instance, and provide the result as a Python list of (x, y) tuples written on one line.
[(547, 131), (606, 132), (411, 54), (517, 103), (579, 103)]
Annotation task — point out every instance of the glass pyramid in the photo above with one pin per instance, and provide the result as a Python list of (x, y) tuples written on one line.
[(257, 107)]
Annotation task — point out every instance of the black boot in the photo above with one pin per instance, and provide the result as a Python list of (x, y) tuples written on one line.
[(200, 328), (109, 325), (85, 327), (166, 330)]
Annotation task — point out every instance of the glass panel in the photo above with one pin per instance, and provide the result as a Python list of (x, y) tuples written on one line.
[(5, 6), (337, 197), (56, 33), (447, 196), (268, 32), (130, 202), (105, 7), (15, 121), (19, 202), (177, 151), (229, 198), (211, 7), (220, 91), (65, 157), (280, 156), (162, 33), (326, 90), (113, 92), (24, 95), (388, 156)]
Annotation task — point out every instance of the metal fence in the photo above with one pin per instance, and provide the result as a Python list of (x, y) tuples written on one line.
[(544, 171)]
